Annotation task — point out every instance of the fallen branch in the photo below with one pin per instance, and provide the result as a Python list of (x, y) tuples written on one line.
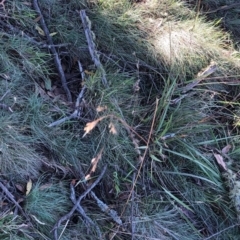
[(68, 215), (223, 8), (53, 50), (62, 120), (104, 208), (90, 36), (91, 45), (201, 76), (78, 110), (95, 57), (82, 212)]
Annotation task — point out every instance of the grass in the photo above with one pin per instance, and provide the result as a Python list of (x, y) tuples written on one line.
[(226, 13), (41, 203), (149, 51)]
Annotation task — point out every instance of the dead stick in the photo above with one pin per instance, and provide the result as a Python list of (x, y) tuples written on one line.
[(82, 212), (93, 52), (132, 203), (78, 110), (68, 215), (53, 50), (91, 45), (223, 8)]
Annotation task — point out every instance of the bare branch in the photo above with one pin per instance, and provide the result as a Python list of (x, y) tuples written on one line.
[(82, 212), (54, 52), (91, 45), (68, 215)]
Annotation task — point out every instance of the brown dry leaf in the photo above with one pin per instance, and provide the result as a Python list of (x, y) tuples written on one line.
[(87, 177), (29, 186), (96, 160), (112, 128), (53, 34), (226, 149), (40, 31), (94, 163), (89, 72), (220, 161), (101, 108), (90, 126)]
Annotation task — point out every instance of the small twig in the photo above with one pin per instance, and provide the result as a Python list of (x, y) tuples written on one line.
[(144, 155), (81, 70), (68, 215), (80, 95), (11, 197), (4, 95), (132, 202), (62, 120), (63, 229), (104, 208), (201, 76), (75, 114), (53, 50), (94, 54), (223, 8), (225, 229)]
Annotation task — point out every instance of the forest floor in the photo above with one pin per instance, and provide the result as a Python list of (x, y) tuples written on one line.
[(119, 119)]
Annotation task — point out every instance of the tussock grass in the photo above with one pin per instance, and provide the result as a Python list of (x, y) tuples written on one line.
[(46, 203), (226, 13), (149, 50), (10, 226)]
